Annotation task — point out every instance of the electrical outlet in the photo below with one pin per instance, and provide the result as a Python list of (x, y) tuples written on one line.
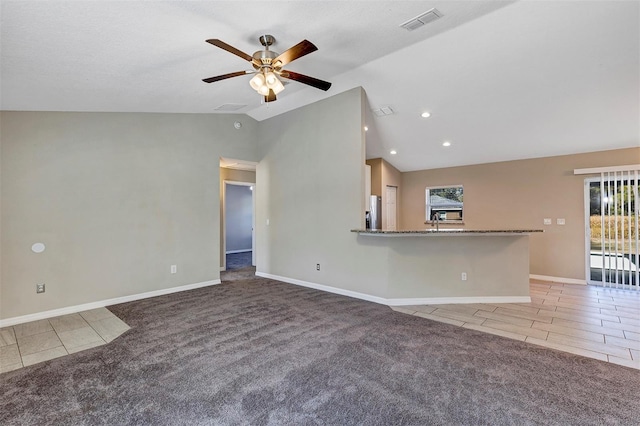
[(560, 221), (174, 269), (317, 266), (547, 221), (40, 288), (463, 276)]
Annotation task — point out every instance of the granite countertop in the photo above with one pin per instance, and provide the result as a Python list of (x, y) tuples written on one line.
[(445, 231)]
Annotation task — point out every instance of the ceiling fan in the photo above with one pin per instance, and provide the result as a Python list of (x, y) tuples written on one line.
[(268, 65)]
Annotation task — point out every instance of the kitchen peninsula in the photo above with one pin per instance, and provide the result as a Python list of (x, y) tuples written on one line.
[(432, 266)]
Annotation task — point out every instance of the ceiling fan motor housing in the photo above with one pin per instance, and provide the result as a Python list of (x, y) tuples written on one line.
[(267, 40), (264, 57)]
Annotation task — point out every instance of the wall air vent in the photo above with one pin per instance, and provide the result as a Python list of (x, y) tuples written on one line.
[(420, 20), (380, 112), (230, 107)]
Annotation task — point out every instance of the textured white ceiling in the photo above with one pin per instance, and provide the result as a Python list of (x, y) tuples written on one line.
[(503, 80)]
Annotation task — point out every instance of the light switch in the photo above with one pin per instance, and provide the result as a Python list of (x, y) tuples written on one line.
[(560, 221), (547, 221)]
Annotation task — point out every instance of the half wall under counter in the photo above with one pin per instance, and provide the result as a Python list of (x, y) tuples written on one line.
[(429, 270), (445, 231)]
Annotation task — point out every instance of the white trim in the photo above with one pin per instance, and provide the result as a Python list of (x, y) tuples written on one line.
[(102, 303), (598, 170), (587, 229), (557, 279), (326, 288), (399, 302), (457, 300), (238, 251)]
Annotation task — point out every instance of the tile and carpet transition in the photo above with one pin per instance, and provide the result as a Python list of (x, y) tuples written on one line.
[(257, 351), (38, 341)]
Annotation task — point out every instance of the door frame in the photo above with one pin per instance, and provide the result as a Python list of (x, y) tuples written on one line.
[(386, 206), (223, 265)]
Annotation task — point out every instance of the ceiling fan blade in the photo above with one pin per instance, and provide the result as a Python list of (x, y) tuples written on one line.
[(270, 97), (299, 50), (222, 45), (225, 76), (305, 79)]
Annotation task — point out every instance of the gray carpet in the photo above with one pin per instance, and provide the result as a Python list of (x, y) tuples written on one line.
[(253, 351), (238, 260)]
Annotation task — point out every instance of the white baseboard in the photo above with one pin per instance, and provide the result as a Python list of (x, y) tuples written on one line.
[(326, 288), (399, 302), (102, 303), (458, 300), (238, 251), (557, 279)]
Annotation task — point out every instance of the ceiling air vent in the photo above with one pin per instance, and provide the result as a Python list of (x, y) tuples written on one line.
[(380, 112), (230, 107), (420, 20)]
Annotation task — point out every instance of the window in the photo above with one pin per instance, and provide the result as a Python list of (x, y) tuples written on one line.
[(444, 203)]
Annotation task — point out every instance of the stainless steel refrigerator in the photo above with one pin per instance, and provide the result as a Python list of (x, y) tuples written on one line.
[(375, 214)]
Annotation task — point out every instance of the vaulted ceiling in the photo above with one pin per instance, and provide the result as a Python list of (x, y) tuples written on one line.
[(502, 80)]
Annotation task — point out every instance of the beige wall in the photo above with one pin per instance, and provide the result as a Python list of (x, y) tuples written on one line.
[(520, 194), (119, 197), (376, 176), (236, 176), (383, 174), (116, 197), (312, 197), (391, 177), (311, 212)]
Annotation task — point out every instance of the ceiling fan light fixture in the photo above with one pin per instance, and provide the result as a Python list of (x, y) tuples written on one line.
[(268, 67), (263, 90), (257, 82), (270, 79), (277, 87)]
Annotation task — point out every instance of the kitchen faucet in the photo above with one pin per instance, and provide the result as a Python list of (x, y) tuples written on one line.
[(435, 219)]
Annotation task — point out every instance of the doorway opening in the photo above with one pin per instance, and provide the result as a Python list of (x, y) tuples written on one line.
[(239, 235), (237, 214), (612, 229)]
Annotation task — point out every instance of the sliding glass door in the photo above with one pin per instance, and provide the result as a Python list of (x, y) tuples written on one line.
[(612, 232)]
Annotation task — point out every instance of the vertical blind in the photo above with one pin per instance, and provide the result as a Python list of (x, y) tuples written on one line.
[(613, 256), (619, 225)]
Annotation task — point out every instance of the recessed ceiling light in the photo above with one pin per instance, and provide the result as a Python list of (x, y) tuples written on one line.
[(446, 143), (425, 115), (366, 128), (393, 152)]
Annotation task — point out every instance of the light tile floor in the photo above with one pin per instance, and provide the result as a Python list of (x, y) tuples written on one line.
[(33, 342), (596, 322)]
